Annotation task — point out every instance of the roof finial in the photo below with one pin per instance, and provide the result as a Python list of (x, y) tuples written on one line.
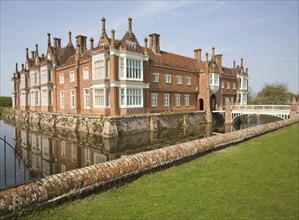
[(112, 38), (103, 23), (49, 40), (130, 25), (70, 39)]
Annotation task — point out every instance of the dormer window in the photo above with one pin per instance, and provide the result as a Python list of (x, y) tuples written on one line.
[(131, 44)]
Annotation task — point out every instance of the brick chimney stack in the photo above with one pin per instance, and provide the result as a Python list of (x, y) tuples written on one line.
[(27, 54), (155, 42), (207, 56), (219, 60), (17, 68), (112, 38), (213, 53), (234, 64), (49, 40), (197, 55), (91, 43), (59, 42), (55, 42), (241, 62), (32, 54), (22, 66)]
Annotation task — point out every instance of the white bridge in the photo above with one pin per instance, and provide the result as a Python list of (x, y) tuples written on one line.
[(281, 111)]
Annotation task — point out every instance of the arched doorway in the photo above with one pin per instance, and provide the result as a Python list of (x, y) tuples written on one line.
[(201, 105), (213, 102)]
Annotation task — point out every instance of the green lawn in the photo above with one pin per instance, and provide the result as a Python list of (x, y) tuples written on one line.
[(257, 179)]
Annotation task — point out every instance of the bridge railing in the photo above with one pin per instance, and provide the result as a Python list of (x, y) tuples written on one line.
[(261, 107)]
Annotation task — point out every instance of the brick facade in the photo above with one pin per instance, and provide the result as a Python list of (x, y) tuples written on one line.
[(121, 77)]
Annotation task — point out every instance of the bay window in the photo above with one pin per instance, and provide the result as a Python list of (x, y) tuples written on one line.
[(130, 97)]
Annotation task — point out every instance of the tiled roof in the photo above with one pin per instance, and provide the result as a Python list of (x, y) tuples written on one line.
[(174, 59), (63, 54)]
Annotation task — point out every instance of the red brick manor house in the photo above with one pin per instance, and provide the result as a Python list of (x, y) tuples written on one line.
[(121, 77)]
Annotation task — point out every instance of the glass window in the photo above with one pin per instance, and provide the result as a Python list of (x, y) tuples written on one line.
[(61, 78), (188, 81), (168, 78), (62, 99), (166, 99), (177, 99), (86, 98), (186, 100), (131, 97), (99, 97), (154, 99), (72, 98), (222, 85), (155, 77), (234, 85), (85, 73), (179, 80), (133, 69), (72, 76)]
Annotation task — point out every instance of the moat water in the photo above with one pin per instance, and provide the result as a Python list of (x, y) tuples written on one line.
[(30, 155)]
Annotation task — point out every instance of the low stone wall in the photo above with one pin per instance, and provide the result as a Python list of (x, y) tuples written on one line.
[(107, 126), (73, 183)]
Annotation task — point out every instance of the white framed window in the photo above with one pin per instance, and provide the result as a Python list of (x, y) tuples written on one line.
[(23, 97), (232, 100), (99, 69), (35, 78), (167, 78), (188, 81), (234, 85), (166, 99), (44, 99), (227, 85), (131, 97), (72, 76), (177, 99), (85, 73), (36, 94), (214, 79), (186, 100), (222, 85), (86, 98), (62, 99), (156, 77), (22, 81), (154, 97), (99, 98), (179, 80), (72, 98), (62, 146), (74, 155), (122, 67), (44, 75), (134, 69), (61, 78)]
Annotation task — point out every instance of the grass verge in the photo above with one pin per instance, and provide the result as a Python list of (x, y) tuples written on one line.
[(257, 179)]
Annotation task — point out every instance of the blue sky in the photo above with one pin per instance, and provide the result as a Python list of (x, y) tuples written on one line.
[(264, 33)]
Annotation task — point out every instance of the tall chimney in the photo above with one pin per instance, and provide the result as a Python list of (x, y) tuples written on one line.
[(32, 54), (70, 39), (197, 55), (27, 55), (84, 43), (91, 43), (49, 40), (59, 42), (219, 60), (213, 53), (22, 66), (155, 42), (145, 46), (241, 62), (112, 38), (55, 42), (103, 24), (36, 55), (207, 56), (234, 64), (17, 68), (130, 25)]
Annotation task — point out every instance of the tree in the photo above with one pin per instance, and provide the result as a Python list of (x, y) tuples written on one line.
[(273, 94), (5, 101), (251, 96)]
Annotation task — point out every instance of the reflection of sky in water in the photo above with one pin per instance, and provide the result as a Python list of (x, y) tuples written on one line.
[(58, 151)]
